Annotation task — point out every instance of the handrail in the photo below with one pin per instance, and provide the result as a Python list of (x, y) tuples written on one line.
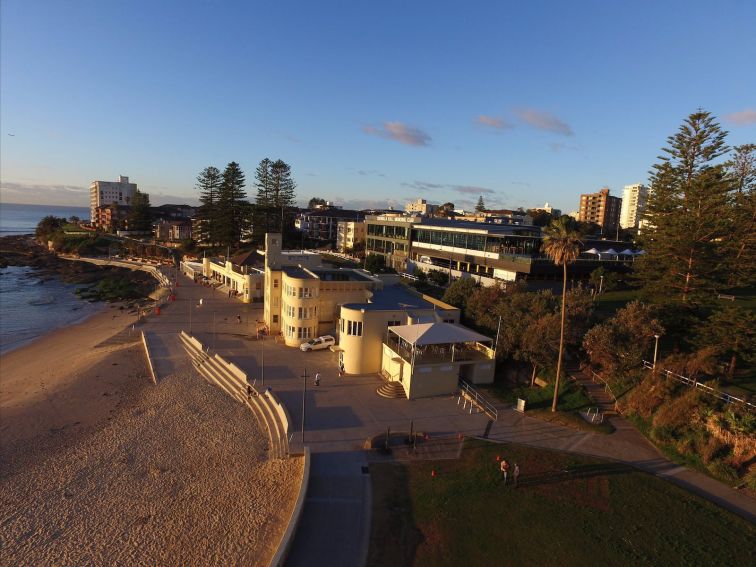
[(607, 387), (719, 394), (478, 399)]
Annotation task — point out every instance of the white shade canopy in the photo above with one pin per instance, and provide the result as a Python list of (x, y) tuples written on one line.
[(591, 251), (437, 334), (628, 252), (610, 251), (640, 252)]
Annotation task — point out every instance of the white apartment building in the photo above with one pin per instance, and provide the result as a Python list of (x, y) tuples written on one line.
[(103, 193), (634, 200), (350, 234), (421, 207)]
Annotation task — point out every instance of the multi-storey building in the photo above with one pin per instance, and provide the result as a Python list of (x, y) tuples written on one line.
[(322, 224), (173, 230), (421, 207), (389, 236), (350, 236), (104, 193), (634, 200), (111, 218), (600, 208)]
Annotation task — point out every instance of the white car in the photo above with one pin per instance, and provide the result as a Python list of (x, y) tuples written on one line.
[(316, 344)]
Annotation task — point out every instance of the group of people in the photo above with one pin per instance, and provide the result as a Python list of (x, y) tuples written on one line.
[(504, 468)]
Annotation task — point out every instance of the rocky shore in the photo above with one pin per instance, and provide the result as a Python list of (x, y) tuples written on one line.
[(107, 283)]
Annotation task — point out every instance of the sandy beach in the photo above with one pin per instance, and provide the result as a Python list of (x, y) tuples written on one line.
[(99, 466)]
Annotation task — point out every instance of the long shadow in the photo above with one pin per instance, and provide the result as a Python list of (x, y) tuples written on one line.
[(575, 473)]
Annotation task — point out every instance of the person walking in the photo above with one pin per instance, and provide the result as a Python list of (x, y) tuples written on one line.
[(504, 467), (341, 369), (249, 392), (516, 474), (317, 378), (238, 319)]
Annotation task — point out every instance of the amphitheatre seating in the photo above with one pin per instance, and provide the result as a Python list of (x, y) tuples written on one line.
[(268, 410)]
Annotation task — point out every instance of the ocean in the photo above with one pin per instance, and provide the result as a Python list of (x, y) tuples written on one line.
[(23, 219), (31, 305)]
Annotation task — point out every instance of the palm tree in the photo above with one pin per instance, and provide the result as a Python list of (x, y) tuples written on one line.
[(562, 244)]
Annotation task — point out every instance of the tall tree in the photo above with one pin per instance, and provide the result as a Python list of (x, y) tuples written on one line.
[(742, 171), (282, 186), (688, 216), (315, 201), (264, 201), (233, 208), (140, 216), (562, 245), (480, 206), (209, 183), (732, 332)]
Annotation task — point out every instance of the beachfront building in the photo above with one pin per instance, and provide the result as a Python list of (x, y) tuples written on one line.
[(600, 208), (111, 218), (634, 200), (105, 193), (388, 235), (302, 297), (350, 236)]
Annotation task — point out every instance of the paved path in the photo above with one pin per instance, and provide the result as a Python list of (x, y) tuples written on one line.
[(343, 412)]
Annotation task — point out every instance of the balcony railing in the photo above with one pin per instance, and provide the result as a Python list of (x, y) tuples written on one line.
[(439, 354)]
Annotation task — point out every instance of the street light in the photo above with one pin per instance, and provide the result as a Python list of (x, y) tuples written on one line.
[(304, 398), (656, 350), (601, 284)]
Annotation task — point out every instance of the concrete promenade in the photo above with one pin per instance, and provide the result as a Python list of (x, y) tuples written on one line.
[(342, 413)]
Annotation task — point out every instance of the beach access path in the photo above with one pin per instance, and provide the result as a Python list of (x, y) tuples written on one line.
[(342, 413)]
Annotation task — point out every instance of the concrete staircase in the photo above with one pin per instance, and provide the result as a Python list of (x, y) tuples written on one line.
[(392, 390), (596, 390), (268, 411)]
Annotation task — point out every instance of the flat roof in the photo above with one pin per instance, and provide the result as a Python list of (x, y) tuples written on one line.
[(297, 272), (392, 298), (472, 226), (340, 275)]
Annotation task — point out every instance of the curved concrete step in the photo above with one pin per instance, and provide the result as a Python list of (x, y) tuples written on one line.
[(392, 390)]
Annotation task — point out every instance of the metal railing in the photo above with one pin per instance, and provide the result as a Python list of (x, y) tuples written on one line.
[(607, 388), (694, 383), (467, 392)]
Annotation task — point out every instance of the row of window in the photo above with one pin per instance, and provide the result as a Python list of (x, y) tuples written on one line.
[(389, 231), (385, 246), (351, 328), (298, 332), (301, 292), (300, 312)]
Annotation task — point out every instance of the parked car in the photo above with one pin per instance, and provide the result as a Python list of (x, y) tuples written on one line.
[(319, 343)]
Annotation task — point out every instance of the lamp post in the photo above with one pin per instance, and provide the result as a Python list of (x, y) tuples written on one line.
[(601, 284), (262, 367), (656, 350), (304, 407), (213, 331)]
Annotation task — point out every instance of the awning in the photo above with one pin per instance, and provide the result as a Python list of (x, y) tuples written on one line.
[(437, 334), (610, 251), (627, 252), (591, 251)]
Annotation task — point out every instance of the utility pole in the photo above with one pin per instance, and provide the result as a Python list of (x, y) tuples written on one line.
[(262, 367), (304, 405), (213, 331), (190, 316), (656, 351), (498, 330)]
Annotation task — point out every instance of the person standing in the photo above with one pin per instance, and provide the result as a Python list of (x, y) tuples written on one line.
[(317, 378), (516, 474), (238, 319), (504, 467)]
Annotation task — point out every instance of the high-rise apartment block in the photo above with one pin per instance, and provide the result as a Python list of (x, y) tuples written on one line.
[(634, 200), (103, 193), (600, 208)]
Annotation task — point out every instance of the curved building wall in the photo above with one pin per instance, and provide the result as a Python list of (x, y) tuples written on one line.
[(299, 309)]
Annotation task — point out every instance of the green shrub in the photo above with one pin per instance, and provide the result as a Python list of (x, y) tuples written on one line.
[(723, 471)]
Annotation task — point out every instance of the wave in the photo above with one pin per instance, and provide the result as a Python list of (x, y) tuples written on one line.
[(47, 300)]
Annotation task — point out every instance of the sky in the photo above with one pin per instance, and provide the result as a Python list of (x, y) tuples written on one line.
[(372, 103)]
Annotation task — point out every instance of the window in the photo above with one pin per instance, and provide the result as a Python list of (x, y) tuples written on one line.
[(275, 318), (354, 328), (275, 283), (299, 313), (393, 323)]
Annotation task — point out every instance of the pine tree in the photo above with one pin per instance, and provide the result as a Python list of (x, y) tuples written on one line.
[(481, 206), (233, 207), (208, 183), (742, 239), (263, 203), (688, 213), (140, 216), (282, 196)]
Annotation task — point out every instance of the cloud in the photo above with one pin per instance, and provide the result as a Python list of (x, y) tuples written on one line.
[(399, 132), (423, 186), (559, 146), (472, 190), (360, 204), (742, 118), (370, 172), (493, 122), (542, 120)]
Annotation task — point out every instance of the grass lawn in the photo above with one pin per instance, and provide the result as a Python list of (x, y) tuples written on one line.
[(610, 302), (568, 510)]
